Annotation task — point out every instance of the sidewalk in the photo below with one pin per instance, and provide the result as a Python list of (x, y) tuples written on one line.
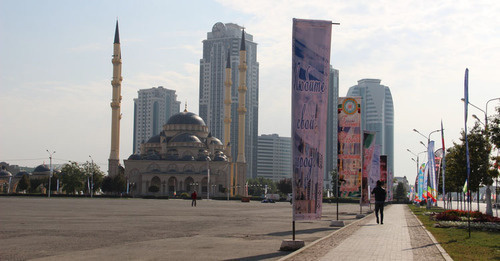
[(401, 237), (390, 241)]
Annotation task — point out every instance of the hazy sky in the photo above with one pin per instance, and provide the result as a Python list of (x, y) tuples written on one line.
[(55, 65)]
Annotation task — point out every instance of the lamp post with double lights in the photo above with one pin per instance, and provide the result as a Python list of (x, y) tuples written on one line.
[(51, 170), (428, 137), (489, 210)]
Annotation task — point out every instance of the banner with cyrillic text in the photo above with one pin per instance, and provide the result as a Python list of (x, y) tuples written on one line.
[(311, 42)]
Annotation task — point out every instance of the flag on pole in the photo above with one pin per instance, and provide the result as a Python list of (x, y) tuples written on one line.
[(465, 187), (443, 164)]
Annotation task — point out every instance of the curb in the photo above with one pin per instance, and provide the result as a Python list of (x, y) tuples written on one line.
[(439, 247), (319, 240)]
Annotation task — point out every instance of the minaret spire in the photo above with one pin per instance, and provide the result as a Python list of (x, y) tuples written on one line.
[(117, 34), (227, 105), (114, 157)]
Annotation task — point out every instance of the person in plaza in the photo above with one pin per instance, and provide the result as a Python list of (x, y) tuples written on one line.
[(193, 197), (380, 194)]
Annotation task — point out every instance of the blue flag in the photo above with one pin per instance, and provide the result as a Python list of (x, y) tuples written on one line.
[(466, 102)]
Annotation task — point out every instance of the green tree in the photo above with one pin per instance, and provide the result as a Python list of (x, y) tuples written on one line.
[(456, 166), (114, 185), (72, 178), (93, 172), (35, 185), (285, 186), (256, 187), (24, 183), (400, 192)]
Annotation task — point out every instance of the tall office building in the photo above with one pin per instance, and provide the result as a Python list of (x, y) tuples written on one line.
[(377, 112), (152, 109), (274, 157), (226, 40), (331, 127)]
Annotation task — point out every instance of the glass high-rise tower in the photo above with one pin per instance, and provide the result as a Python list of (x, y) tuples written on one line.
[(152, 109), (224, 40), (331, 127), (377, 112)]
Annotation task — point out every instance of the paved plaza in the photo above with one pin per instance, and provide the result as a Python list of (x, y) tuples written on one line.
[(148, 229)]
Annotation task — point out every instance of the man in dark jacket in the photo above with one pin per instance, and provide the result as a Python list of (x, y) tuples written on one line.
[(379, 201)]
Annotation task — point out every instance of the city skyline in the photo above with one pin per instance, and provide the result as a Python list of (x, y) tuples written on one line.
[(56, 70)]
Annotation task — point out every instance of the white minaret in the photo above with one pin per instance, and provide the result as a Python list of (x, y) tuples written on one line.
[(227, 106), (114, 159), (242, 89)]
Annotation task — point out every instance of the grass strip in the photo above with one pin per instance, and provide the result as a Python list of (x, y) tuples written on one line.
[(482, 245)]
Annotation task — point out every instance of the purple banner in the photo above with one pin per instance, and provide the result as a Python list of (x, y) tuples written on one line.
[(311, 42)]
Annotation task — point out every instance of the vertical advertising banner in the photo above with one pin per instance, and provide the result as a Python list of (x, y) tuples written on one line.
[(432, 193), (368, 147), (349, 146), (420, 190), (383, 170), (311, 42)]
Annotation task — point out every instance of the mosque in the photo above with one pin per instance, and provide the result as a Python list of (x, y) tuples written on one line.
[(185, 157)]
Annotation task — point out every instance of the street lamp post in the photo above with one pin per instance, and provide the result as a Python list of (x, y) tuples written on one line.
[(51, 170), (92, 178), (428, 142), (489, 210)]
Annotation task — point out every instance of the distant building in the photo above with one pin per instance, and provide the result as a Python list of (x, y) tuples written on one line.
[(377, 112), (223, 42), (152, 109), (331, 127), (274, 157)]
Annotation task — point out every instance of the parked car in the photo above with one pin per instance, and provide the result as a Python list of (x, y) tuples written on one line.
[(268, 200)]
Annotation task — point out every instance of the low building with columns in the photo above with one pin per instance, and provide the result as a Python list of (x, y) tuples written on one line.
[(184, 157)]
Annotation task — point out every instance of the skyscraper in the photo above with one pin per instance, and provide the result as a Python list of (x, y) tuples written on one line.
[(331, 127), (152, 109), (274, 157), (226, 40), (377, 112)]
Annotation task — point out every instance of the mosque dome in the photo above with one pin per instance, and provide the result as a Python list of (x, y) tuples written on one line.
[(5, 173), (186, 117), (21, 174), (215, 141), (135, 157), (154, 139), (41, 168), (186, 137)]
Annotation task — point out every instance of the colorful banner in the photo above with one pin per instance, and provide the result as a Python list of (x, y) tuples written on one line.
[(383, 169), (420, 191), (466, 102), (349, 146), (311, 42), (368, 147), (432, 193)]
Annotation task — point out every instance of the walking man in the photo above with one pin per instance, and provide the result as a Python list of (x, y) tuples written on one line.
[(380, 194), (193, 197)]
